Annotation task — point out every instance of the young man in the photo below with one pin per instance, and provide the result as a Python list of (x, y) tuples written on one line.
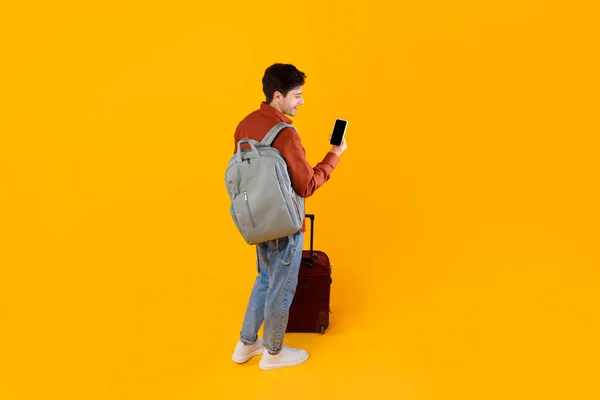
[(278, 261)]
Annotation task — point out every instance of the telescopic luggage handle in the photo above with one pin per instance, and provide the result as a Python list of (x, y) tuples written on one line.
[(313, 257)]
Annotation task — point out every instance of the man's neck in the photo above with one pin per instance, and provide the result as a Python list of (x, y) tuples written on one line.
[(272, 104)]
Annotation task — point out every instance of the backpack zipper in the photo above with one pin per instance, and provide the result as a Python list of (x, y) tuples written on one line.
[(248, 207)]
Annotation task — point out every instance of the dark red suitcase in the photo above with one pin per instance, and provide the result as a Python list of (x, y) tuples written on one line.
[(309, 311)]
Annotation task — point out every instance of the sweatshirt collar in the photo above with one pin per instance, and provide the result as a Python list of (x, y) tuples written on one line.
[(267, 110)]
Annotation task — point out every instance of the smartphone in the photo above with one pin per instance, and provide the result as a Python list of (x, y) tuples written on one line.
[(339, 130)]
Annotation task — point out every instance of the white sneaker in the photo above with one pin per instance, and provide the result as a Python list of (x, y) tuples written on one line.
[(243, 353), (287, 357)]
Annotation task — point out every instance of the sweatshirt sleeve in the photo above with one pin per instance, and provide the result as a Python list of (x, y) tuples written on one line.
[(305, 179)]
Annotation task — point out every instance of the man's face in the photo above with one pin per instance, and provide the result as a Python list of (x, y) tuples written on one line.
[(290, 103)]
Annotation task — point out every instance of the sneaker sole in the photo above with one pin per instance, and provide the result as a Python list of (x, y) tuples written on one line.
[(268, 367), (241, 360)]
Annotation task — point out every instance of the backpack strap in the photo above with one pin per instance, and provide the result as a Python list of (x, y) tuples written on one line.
[(273, 132)]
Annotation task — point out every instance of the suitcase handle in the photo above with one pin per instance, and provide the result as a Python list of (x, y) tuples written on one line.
[(313, 256)]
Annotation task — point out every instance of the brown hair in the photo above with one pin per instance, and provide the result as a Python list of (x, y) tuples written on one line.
[(281, 78)]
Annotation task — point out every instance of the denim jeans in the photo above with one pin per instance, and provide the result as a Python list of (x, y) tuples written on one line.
[(278, 263)]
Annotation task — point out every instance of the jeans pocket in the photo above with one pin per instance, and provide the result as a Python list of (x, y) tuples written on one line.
[(282, 243), (284, 250)]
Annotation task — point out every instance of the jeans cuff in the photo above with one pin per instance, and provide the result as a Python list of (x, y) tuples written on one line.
[(246, 340), (271, 351)]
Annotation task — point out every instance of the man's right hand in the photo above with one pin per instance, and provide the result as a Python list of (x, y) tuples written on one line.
[(338, 150)]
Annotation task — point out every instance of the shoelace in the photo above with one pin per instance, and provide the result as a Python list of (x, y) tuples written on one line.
[(291, 349)]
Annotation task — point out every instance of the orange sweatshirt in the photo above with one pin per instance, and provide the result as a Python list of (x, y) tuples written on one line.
[(305, 179)]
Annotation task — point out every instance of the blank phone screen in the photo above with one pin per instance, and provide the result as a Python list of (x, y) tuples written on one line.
[(338, 132)]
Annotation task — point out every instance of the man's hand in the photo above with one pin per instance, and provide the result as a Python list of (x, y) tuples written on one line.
[(338, 150)]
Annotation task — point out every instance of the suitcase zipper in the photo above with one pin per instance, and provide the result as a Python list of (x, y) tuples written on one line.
[(248, 207)]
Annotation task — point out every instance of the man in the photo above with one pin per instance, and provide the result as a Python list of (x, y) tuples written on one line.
[(278, 261)]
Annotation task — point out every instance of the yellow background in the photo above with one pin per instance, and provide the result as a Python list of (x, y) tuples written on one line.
[(462, 222)]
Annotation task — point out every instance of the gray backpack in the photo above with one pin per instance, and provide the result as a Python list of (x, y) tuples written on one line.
[(264, 205)]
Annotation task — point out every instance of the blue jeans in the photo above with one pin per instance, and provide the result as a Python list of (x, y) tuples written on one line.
[(278, 263)]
